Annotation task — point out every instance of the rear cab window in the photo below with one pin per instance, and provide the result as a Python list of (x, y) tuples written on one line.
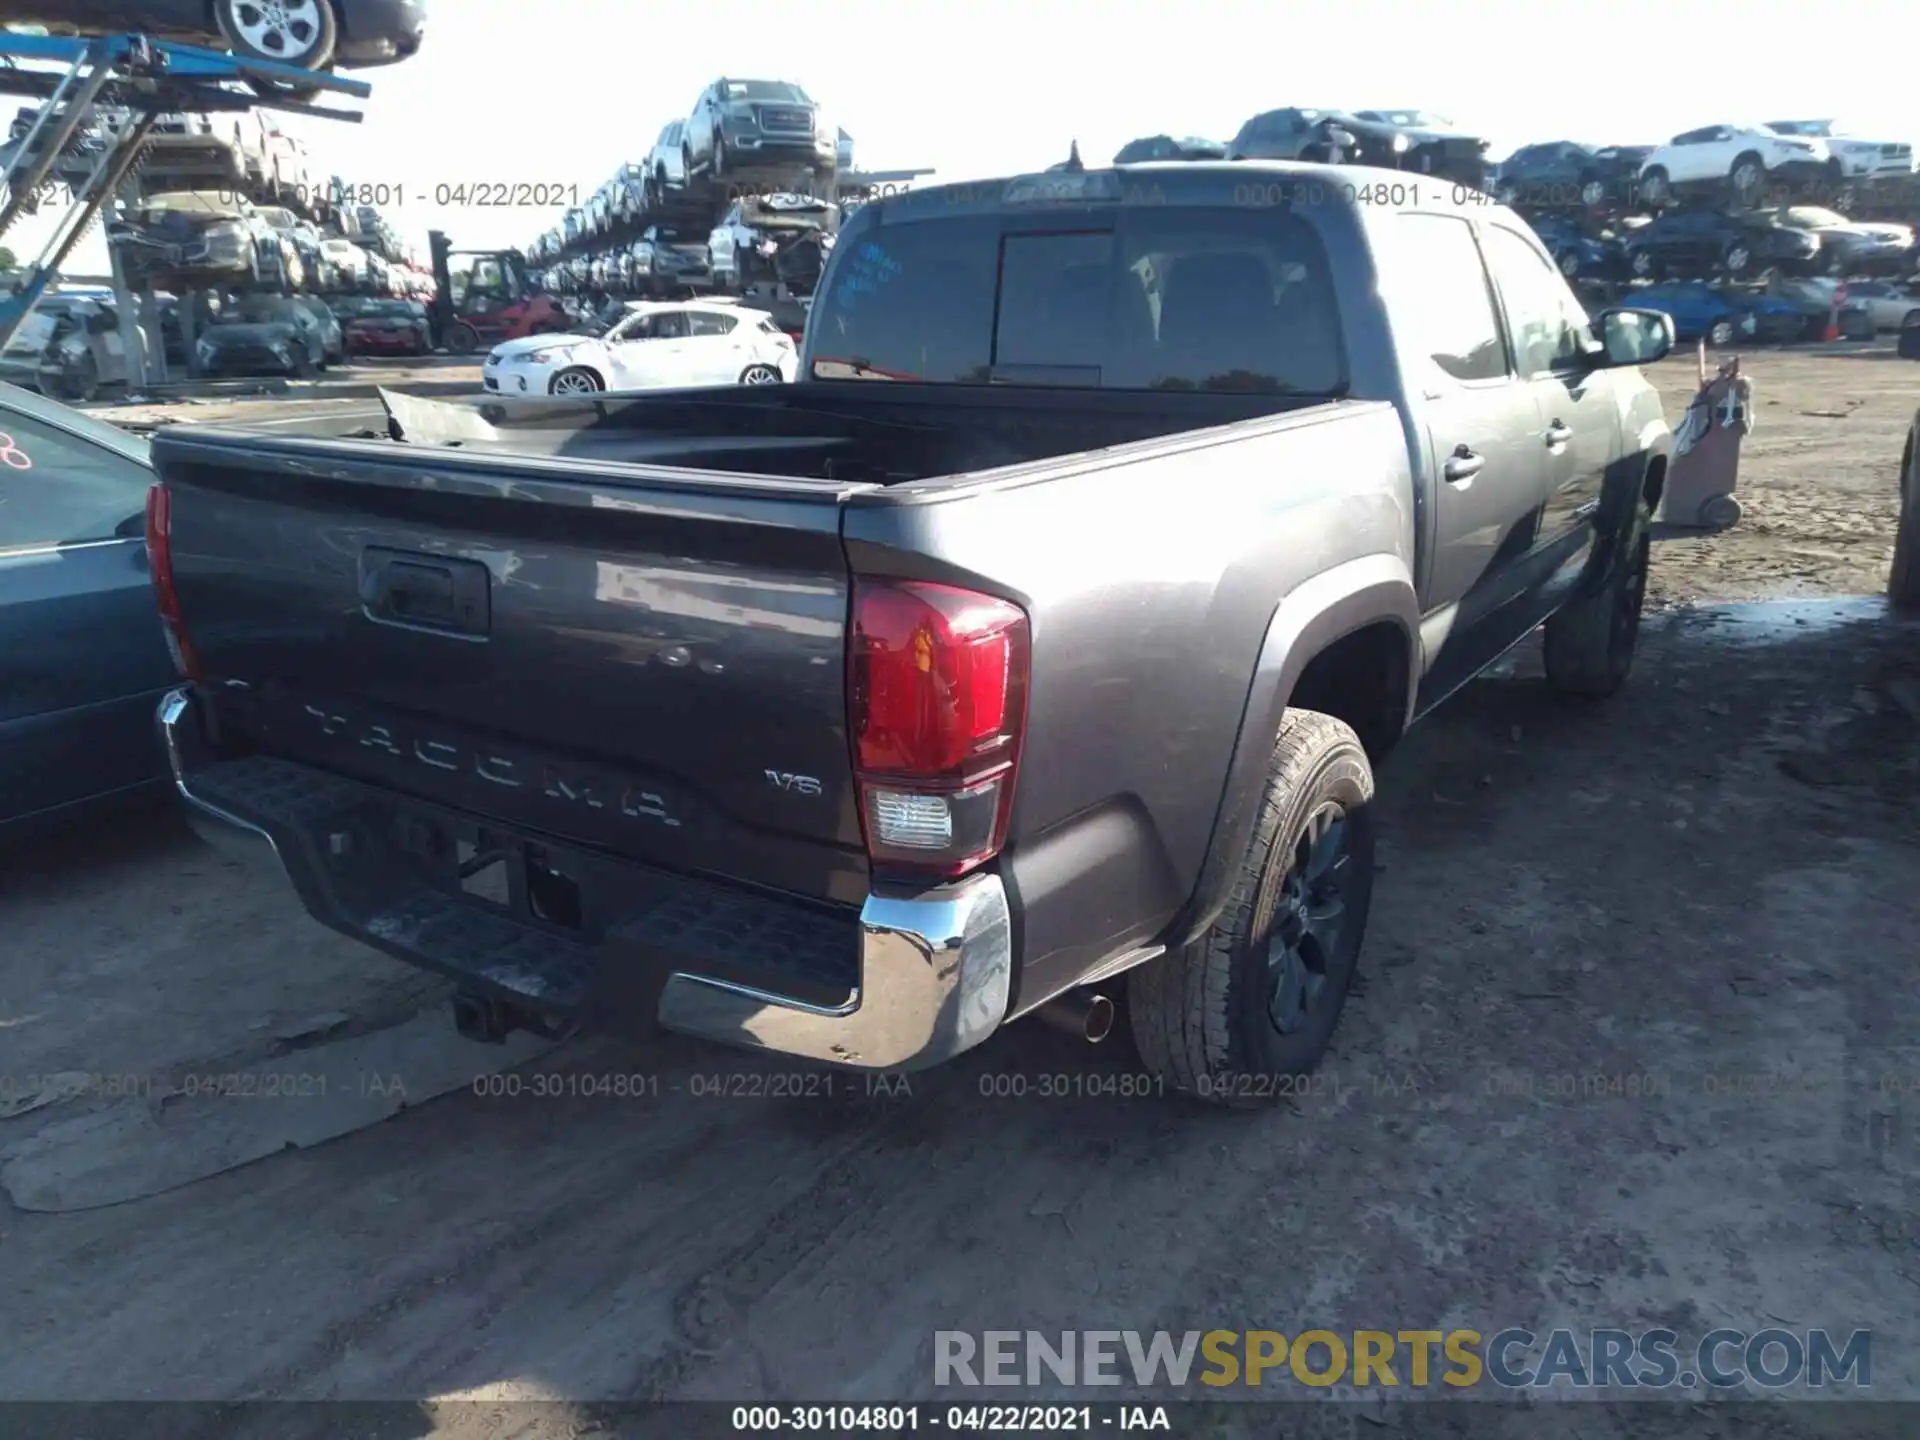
[(1167, 297)]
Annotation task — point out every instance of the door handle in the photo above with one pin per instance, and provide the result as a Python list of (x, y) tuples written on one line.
[(1558, 434), (1462, 465), (425, 591)]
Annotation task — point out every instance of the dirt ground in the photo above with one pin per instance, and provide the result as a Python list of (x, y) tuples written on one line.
[(1817, 477), (1711, 883)]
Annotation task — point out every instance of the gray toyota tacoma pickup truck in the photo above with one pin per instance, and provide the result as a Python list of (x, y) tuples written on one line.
[(1036, 650)]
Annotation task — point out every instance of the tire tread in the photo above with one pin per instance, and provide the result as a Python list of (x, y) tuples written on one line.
[(1179, 1004), (1577, 643), (1903, 577)]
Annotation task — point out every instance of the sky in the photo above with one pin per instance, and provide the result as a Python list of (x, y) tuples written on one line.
[(564, 91)]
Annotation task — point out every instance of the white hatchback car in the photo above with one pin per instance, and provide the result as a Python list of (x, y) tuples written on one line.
[(655, 346), (1889, 304)]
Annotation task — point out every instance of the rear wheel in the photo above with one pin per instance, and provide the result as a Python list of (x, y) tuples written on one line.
[(1255, 1000), (462, 339), (1721, 333), (1655, 188), (1589, 643), (760, 375), (1748, 176), (1644, 264), (1722, 512), (82, 383)]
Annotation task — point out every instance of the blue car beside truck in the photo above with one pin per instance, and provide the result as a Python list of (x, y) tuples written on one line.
[(1722, 316)]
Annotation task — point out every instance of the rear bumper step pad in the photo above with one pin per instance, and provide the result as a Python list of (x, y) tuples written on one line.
[(915, 978)]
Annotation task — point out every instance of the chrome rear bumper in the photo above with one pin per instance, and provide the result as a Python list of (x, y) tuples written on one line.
[(935, 966)]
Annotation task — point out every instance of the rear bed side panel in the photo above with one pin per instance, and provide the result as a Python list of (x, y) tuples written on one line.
[(1151, 577), (652, 661)]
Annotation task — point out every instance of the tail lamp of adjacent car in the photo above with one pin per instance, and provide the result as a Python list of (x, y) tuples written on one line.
[(160, 568), (937, 702)]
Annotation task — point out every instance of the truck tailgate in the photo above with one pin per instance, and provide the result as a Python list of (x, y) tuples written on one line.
[(644, 661)]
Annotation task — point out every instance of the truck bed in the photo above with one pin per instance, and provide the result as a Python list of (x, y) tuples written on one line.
[(862, 433)]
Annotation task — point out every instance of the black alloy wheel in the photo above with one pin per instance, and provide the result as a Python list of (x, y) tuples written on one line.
[(1309, 915)]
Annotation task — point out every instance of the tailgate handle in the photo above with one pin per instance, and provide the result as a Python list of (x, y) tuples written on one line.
[(425, 592)]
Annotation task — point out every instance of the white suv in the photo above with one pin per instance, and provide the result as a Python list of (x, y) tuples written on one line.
[(1856, 157), (1746, 157)]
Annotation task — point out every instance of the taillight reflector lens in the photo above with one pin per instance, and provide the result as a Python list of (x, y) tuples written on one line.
[(160, 570), (937, 695)]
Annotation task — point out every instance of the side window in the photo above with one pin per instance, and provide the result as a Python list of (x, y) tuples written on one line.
[(670, 326), (710, 325), (57, 489), (1549, 327), (1447, 301)]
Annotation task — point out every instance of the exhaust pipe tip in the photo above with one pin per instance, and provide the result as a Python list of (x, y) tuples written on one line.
[(1081, 1014), (1099, 1019)]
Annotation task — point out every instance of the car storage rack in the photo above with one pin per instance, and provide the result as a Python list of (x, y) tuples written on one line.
[(146, 78)]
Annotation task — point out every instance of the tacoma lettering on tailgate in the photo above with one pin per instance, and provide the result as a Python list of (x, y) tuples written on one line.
[(573, 787)]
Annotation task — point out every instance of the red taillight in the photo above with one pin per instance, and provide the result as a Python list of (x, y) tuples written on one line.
[(937, 701), (160, 568)]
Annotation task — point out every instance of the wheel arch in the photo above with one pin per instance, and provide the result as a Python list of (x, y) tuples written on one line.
[(1346, 643)]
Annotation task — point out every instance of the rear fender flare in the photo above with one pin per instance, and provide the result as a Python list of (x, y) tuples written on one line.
[(1327, 608)]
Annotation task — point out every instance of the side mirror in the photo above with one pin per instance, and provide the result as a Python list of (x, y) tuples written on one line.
[(1635, 337)]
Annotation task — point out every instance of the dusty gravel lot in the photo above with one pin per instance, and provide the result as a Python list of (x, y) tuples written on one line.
[(1712, 883), (1816, 477)]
